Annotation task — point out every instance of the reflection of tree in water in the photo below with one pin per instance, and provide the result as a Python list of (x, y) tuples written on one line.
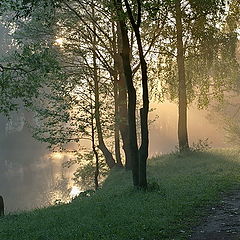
[(27, 173)]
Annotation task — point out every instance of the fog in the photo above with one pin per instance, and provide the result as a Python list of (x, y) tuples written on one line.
[(31, 176), (163, 131)]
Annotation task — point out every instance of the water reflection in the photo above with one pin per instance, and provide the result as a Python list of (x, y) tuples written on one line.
[(30, 175), (36, 184)]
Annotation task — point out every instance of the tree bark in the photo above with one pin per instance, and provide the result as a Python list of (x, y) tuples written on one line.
[(116, 125), (116, 100), (125, 54), (96, 173), (122, 99), (143, 150), (123, 119), (102, 146), (182, 93)]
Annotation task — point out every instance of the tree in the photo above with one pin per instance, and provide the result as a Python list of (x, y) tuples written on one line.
[(143, 151), (139, 156), (54, 98), (93, 60), (194, 53), (182, 94), (77, 25), (87, 37)]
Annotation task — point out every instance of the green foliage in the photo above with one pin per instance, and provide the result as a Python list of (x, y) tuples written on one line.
[(84, 174), (24, 74), (188, 187), (210, 61), (233, 17), (24, 8)]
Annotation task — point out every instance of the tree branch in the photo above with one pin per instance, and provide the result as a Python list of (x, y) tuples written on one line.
[(130, 14)]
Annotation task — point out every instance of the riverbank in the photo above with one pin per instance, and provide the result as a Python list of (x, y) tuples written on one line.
[(183, 188)]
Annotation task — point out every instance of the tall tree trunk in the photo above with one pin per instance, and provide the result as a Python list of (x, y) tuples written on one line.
[(122, 99), (116, 101), (96, 173), (143, 151), (116, 125), (102, 146), (182, 94), (125, 53), (123, 119)]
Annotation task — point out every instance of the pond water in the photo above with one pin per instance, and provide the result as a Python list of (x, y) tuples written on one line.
[(30, 175)]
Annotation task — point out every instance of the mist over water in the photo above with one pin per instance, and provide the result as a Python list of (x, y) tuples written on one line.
[(31, 176)]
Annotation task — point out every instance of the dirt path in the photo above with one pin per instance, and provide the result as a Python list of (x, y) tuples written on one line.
[(224, 221)]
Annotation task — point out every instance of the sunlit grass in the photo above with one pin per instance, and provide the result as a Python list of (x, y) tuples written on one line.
[(188, 186)]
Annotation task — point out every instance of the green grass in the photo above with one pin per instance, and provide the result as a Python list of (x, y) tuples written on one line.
[(188, 186)]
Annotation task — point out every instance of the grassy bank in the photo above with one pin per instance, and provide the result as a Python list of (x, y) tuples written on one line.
[(188, 185)]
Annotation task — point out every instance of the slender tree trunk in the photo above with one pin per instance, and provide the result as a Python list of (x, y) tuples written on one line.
[(116, 101), (96, 173), (122, 99), (143, 151), (102, 146), (123, 120), (125, 53), (116, 126), (182, 94)]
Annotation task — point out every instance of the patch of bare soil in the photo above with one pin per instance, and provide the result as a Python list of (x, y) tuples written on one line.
[(224, 221)]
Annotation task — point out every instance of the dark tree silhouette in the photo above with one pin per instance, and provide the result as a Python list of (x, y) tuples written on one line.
[(1, 206)]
